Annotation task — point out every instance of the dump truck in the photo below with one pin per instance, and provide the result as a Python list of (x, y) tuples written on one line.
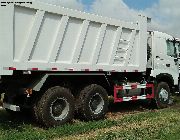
[(57, 62)]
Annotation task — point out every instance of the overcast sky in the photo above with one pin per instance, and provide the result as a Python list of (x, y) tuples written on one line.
[(165, 14)]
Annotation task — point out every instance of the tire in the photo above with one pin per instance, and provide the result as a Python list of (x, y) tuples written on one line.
[(162, 95), (35, 111), (56, 107), (92, 103)]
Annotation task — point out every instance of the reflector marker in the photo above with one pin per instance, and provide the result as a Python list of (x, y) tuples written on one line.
[(34, 69), (54, 69), (11, 68)]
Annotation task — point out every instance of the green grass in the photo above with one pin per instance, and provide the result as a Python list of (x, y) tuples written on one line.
[(134, 124)]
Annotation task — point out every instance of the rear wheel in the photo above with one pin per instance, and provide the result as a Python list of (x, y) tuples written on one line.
[(56, 107), (92, 103)]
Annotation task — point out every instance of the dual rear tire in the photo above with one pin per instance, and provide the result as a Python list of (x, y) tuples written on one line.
[(57, 105)]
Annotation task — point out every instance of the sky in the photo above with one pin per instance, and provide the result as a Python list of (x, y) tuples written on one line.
[(165, 14), (140, 4)]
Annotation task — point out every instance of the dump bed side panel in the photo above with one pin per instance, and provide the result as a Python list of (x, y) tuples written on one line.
[(47, 37), (6, 38)]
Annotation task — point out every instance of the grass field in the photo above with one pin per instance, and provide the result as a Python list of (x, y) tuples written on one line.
[(124, 121)]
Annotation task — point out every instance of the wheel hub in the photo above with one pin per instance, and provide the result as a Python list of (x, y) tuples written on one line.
[(163, 95), (96, 103), (59, 109)]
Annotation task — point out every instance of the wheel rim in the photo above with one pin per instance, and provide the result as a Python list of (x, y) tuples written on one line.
[(59, 109), (163, 95), (96, 103)]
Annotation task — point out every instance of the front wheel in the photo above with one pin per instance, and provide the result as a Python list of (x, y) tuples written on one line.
[(162, 95)]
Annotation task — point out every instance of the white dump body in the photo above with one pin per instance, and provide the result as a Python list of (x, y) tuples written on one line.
[(40, 36)]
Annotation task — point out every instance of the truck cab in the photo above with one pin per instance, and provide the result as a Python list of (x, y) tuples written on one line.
[(164, 58)]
